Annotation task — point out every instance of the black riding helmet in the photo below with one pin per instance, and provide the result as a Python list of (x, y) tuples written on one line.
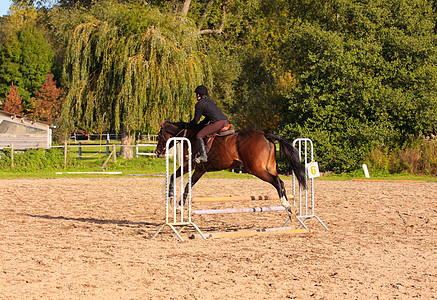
[(202, 90)]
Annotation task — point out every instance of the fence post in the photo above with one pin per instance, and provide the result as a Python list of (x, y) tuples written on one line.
[(65, 153), (80, 151), (114, 154), (12, 155), (107, 148)]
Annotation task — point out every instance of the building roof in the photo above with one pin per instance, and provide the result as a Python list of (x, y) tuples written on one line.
[(23, 118)]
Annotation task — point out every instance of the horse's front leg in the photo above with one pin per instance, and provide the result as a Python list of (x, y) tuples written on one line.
[(178, 174), (172, 177)]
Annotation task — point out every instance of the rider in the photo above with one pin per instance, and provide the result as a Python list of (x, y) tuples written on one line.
[(217, 120)]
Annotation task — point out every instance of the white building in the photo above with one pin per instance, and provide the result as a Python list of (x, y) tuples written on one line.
[(22, 132)]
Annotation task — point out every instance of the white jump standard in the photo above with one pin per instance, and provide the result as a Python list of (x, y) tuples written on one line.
[(306, 209), (181, 215)]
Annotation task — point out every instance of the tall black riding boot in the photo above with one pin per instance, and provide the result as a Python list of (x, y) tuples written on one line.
[(202, 157)]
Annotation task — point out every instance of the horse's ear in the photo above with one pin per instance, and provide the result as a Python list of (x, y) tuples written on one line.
[(160, 123)]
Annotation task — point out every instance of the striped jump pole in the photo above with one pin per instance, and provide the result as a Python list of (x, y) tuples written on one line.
[(237, 210), (237, 198), (176, 215), (306, 200)]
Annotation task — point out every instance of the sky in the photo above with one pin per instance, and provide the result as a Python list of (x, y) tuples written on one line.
[(4, 7)]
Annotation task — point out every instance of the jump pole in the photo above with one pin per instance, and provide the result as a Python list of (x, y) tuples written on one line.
[(306, 207), (174, 215), (237, 210), (236, 198), (256, 232)]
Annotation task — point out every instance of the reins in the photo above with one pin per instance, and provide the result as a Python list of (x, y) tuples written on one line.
[(184, 131)]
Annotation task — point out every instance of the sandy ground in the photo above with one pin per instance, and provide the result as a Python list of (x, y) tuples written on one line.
[(90, 239)]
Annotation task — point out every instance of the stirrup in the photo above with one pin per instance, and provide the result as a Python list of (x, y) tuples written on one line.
[(201, 159)]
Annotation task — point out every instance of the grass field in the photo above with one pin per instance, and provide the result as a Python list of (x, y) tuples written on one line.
[(41, 163), (158, 169)]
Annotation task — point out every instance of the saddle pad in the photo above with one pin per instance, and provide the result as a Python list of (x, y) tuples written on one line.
[(227, 132), (226, 128)]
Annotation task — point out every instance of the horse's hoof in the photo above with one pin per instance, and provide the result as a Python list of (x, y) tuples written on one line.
[(290, 211), (201, 159)]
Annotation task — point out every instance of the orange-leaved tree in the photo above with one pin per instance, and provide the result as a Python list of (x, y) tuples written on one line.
[(47, 100), (13, 101)]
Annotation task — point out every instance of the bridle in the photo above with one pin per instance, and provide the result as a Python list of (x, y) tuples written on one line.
[(162, 136)]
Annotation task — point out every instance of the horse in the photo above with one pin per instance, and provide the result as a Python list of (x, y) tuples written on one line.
[(255, 150)]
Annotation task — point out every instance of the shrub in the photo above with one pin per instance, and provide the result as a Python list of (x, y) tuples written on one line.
[(33, 159), (417, 156)]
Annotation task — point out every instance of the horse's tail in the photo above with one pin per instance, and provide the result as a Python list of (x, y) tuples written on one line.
[(292, 156)]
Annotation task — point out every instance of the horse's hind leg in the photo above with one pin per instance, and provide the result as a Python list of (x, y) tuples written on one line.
[(284, 198), (279, 186)]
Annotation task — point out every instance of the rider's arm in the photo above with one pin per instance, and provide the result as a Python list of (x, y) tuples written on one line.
[(197, 114), (204, 121)]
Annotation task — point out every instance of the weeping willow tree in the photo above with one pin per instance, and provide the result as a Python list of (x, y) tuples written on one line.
[(129, 68)]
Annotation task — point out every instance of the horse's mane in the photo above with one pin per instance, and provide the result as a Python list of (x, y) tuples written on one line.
[(175, 127), (179, 124)]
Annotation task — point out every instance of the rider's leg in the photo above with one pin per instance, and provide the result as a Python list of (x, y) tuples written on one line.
[(203, 157), (207, 130)]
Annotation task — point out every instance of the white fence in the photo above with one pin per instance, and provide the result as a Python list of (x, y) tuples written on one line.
[(138, 152), (76, 136)]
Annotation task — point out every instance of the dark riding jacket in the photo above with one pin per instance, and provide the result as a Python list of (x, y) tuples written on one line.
[(209, 109)]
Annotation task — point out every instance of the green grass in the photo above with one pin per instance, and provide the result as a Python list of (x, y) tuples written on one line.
[(126, 172), (39, 163), (378, 175), (150, 166)]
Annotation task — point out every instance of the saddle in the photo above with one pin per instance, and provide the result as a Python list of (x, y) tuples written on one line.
[(227, 130)]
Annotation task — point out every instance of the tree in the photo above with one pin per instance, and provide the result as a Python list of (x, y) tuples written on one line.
[(47, 100), (243, 36), (365, 77), (241, 39), (129, 66), (13, 101), (25, 57)]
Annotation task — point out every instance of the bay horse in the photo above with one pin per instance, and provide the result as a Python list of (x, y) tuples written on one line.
[(255, 150)]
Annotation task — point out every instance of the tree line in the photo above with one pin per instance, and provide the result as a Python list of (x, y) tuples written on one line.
[(351, 75)]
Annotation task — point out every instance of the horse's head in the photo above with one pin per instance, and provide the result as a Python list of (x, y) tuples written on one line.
[(163, 136), (167, 131)]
